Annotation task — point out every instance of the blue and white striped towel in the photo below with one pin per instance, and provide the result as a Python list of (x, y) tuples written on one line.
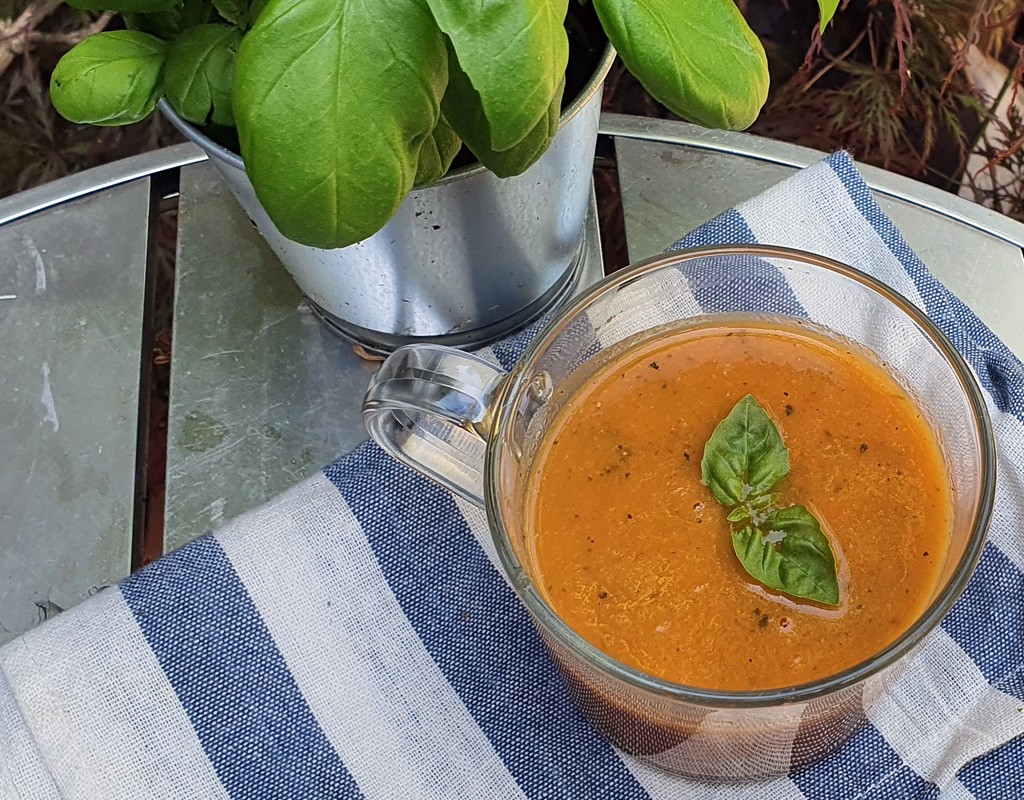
[(353, 638)]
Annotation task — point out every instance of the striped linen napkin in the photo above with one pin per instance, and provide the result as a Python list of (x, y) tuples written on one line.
[(354, 637)]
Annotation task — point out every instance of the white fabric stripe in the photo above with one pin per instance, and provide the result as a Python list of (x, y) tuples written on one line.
[(941, 712), (821, 218), (382, 702), (955, 790), (662, 786), (993, 721), (22, 774), (106, 722), (673, 301)]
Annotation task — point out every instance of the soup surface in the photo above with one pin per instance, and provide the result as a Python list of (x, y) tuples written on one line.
[(635, 553)]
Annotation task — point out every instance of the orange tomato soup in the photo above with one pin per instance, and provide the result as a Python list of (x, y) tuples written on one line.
[(635, 554)]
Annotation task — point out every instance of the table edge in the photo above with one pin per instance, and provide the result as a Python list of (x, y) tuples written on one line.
[(759, 148), (89, 181)]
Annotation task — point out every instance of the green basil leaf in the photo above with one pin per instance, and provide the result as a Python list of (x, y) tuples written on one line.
[(698, 57), (461, 105), (763, 501), (745, 456), (124, 6), (256, 8), (518, 158), (333, 102), (168, 24), (828, 10), (790, 553), (439, 149), (236, 11), (514, 54), (111, 78), (200, 73)]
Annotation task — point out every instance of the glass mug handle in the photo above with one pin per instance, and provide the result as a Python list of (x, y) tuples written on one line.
[(430, 407)]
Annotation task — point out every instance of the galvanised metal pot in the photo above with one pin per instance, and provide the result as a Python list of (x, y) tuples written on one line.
[(464, 261)]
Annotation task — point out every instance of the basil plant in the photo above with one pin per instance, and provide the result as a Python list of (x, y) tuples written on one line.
[(342, 106)]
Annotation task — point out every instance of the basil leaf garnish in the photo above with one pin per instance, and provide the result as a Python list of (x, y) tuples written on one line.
[(790, 553), (745, 455), (784, 549), (739, 514)]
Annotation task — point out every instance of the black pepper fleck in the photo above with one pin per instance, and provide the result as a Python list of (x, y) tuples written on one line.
[(789, 409)]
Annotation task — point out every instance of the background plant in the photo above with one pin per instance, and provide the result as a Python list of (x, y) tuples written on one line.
[(891, 81), (37, 144)]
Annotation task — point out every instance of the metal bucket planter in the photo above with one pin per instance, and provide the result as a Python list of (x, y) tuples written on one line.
[(464, 261)]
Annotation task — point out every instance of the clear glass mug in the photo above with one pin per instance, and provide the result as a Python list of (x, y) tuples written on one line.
[(476, 429)]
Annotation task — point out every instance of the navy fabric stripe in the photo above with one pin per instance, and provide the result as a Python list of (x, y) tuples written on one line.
[(995, 643), (865, 767), (247, 712), (761, 290), (477, 632), (998, 370), (998, 775), (508, 351), (729, 227)]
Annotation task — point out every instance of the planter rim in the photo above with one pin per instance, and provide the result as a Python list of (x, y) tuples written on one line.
[(220, 152)]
